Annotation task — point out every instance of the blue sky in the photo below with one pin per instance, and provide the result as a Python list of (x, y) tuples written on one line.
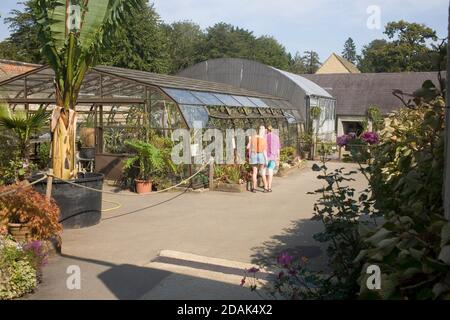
[(320, 25)]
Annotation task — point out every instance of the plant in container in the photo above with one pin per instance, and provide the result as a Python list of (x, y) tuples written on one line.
[(148, 159), (28, 214)]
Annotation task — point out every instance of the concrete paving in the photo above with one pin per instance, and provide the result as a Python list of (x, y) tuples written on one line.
[(118, 258)]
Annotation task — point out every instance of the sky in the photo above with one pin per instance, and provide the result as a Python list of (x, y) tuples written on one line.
[(299, 25)]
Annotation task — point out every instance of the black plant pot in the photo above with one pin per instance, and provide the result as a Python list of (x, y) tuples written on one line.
[(80, 208), (87, 153)]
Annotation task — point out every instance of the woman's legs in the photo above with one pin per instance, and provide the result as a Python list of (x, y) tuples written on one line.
[(263, 174), (254, 177), (269, 178)]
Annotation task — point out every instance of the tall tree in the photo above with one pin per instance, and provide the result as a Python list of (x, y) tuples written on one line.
[(186, 40), (140, 44), (23, 43), (297, 64), (349, 51), (72, 33), (406, 50), (269, 51), (311, 61)]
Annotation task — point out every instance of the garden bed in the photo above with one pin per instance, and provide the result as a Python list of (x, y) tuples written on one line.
[(229, 187), (283, 172)]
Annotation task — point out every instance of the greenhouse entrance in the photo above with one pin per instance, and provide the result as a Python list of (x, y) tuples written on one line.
[(117, 104)]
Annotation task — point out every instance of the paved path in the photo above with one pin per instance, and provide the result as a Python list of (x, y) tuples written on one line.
[(206, 239)]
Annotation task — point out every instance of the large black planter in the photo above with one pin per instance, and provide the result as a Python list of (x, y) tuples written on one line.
[(79, 207)]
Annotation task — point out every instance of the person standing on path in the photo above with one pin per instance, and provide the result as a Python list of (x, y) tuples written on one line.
[(273, 155), (257, 148)]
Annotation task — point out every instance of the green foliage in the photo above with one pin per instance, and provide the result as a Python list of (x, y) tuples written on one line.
[(349, 51), (21, 125), (375, 116), (139, 44), (340, 210), (148, 159), (185, 43), (18, 273), (70, 53), (43, 153), (407, 50), (288, 155), (412, 245), (23, 43), (235, 174)]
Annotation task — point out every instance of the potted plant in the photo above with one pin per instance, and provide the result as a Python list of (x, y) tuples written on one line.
[(148, 160), (28, 214), (87, 139), (230, 178)]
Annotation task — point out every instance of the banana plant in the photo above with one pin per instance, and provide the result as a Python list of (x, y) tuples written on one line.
[(72, 33)]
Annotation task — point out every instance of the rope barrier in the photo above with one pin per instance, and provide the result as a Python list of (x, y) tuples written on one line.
[(109, 192), (24, 186), (132, 194)]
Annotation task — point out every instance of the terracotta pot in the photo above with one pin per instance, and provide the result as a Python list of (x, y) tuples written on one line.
[(20, 232), (87, 137), (143, 186)]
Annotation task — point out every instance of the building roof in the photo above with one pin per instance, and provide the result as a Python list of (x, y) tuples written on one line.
[(255, 76), (337, 64), (9, 68), (356, 92)]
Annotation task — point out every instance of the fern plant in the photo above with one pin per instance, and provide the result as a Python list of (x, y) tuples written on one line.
[(148, 159)]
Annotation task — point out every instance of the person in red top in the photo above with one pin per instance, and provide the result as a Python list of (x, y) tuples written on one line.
[(257, 148)]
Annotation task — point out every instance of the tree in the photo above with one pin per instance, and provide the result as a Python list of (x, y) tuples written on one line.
[(140, 44), (269, 51), (23, 43), (407, 49), (185, 42), (349, 51), (311, 61), (297, 64), (72, 34)]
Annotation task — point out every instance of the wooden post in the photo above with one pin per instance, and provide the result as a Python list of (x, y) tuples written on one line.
[(48, 193), (211, 174), (447, 140)]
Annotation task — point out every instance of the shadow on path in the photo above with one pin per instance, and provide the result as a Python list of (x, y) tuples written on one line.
[(297, 240)]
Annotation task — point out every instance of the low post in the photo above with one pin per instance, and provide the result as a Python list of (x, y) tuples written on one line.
[(211, 174), (48, 193)]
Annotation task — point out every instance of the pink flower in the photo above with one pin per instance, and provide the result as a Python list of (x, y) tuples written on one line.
[(370, 137), (343, 140), (285, 259)]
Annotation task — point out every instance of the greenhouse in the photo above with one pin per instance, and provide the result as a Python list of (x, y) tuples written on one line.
[(302, 93), (119, 104)]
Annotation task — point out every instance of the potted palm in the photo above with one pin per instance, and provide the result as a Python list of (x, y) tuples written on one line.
[(149, 161)]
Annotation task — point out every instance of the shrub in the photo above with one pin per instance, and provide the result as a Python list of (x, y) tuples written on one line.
[(28, 206), (19, 267), (288, 155), (236, 174)]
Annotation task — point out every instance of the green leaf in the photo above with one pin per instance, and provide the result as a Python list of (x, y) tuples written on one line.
[(378, 236), (445, 255), (445, 234)]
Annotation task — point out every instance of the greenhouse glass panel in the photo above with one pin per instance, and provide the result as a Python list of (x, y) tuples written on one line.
[(207, 98), (182, 96), (218, 111), (258, 102), (290, 117), (166, 115), (245, 101), (228, 100), (195, 114)]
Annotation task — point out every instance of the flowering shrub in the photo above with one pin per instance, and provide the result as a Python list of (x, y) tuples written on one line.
[(20, 267), (343, 140), (27, 206), (370, 138)]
